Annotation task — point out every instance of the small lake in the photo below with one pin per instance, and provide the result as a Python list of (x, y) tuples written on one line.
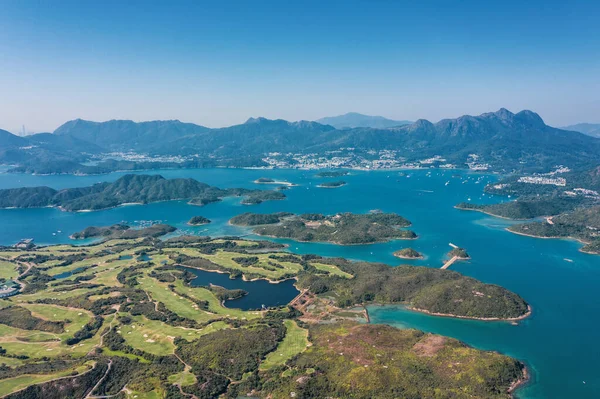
[(260, 292)]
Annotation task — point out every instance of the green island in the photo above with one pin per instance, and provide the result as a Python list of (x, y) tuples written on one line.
[(343, 228), (408, 253), (335, 173), (459, 253), (332, 184), (569, 210), (198, 221), (129, 189), (122, 231), (128, 326)]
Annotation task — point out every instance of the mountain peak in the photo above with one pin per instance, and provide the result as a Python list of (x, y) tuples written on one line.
[(259, 119), (504, 114), (530, 118)]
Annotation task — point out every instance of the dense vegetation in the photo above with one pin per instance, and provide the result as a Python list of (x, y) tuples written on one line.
[(343, 228), (198, 220), (433, 290), (18, 317), (257, 219), (123, 231), (369, 361), (526, 208), (124, 325), (127, 189), (582, 224), (572, 210)]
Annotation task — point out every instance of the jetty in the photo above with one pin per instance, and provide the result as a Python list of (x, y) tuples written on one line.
[(450, 262)]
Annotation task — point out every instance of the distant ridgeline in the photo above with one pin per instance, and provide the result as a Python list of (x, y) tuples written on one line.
[(505, 141), (128, 189), (343, 228), (570, 202)]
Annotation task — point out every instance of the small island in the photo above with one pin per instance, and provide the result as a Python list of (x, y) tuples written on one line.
[(268, 180), (342, 229), (332, 184), (198, 221), (408, 253), (459, 253), (123, 231), (336, 173)]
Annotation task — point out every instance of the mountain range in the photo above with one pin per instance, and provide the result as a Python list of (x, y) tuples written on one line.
[(505, 140), (591, 129), (354, 119)]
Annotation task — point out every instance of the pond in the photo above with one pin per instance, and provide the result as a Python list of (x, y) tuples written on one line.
[(260, 292)]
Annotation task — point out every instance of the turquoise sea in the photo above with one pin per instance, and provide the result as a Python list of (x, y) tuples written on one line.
[(559, 342)]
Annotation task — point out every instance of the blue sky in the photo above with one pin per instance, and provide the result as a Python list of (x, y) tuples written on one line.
[(217, 63)]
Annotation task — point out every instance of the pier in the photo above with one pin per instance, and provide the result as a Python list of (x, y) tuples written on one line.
[(450, 262)]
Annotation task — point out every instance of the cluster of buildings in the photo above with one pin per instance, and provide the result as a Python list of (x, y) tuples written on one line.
[(349, 158), (556, 181), (474, 163), (584, 192)]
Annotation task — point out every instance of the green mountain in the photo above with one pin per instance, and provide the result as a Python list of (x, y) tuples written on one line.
[(507, 142), (354, 119), (128, 135), (591, 129)]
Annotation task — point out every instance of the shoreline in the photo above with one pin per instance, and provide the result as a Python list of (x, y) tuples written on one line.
[(569, 238), (490, 214), (520, 382), (522, 317)]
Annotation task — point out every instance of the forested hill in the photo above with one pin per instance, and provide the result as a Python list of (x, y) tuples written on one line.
[(128, 189), (504, 140)]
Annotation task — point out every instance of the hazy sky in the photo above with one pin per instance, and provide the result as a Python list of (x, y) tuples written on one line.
[(217, 63)]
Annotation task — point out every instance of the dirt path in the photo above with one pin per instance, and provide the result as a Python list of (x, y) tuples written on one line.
[(89, 395)]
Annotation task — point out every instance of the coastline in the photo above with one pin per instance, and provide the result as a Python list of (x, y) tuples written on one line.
[(579, 240), (522, 317), (488, 213)]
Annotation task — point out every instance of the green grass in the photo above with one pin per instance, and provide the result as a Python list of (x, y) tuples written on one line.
[(225, 259), (214, 304), (14, 384), (184, 378), (183, 307), (331, 269), (8, 270), (131, 356), (294, 342), (157, 337)]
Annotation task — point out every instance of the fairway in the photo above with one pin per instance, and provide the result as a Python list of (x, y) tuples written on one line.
[(295, 342)]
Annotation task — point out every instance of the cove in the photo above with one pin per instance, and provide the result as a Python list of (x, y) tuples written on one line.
[(260, 292)]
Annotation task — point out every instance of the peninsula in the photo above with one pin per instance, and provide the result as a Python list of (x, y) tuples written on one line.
[(129, 189), (98, 320), (342, 228), (123, 231)]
